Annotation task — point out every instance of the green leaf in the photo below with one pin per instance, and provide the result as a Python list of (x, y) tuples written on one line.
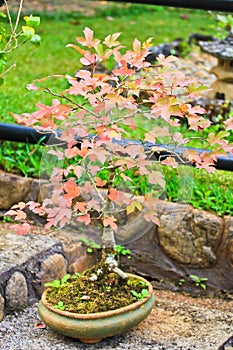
[(60, 306), (195, 278), (32, 21), (28, 31), (36, 39), (1, 81), (89, 250), (135, 294), (65, 278), (144, 293), (55, 284)]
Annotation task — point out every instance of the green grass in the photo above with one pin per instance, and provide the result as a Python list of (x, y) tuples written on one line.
[(205, 191), (212, 192)]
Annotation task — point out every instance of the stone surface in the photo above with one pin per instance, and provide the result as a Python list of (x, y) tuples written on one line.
[(14, 189), (82, 263), (229, 237), (190, 236), (2, 302), (16, 292), (16, 250), (54, 267)]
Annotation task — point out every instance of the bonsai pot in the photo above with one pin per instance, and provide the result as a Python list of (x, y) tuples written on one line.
[(92, 328)]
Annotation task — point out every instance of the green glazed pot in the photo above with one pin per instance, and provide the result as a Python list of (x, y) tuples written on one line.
[(92, 328)]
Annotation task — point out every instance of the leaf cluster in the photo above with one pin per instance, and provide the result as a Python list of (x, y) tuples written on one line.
[(93, 114)]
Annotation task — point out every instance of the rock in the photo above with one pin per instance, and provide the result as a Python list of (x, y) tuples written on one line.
[(16, 292), (2, 302), (73, 251), (54, 267), (190, 236), (14, 189), (229, 236), (82, 263)]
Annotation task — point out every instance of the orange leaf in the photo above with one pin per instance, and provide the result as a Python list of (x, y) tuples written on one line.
[(86, 219), (81, 206), (113, 195), (99, 182), (110, 221), (170, 161), (72, 190)]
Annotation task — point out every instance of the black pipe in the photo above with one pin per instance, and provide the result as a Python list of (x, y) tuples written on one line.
[(19, 133), (214, 5)]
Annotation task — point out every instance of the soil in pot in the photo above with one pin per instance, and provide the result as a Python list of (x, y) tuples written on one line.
[(96, 290)]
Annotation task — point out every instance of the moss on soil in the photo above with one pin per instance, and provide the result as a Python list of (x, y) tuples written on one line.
[(109, 292)]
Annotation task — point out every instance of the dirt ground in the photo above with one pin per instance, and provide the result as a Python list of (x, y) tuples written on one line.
[(190, 323)]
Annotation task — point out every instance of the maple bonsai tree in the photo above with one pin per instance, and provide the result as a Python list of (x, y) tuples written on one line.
[(95, 120)]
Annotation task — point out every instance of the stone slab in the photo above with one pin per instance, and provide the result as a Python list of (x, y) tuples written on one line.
[(21, 258), (16, 250)]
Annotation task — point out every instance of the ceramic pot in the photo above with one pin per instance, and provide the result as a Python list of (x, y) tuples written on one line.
[(91, 328)]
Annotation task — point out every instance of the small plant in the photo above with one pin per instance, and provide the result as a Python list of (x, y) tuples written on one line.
[(58, 283), (120, 250), (60, 305), (90, 244), (143, 294), (199, 282), (181, 281)]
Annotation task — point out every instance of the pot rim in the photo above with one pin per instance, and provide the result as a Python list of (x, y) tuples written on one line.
[(105, 313)]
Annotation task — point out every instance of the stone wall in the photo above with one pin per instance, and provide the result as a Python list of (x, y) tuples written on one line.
[(188, 241), (27, 262)]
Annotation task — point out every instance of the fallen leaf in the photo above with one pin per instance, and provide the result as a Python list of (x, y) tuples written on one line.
[(40, 325)]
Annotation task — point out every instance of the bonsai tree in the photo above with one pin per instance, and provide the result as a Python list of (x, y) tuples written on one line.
[(108, 126), (13, 35)]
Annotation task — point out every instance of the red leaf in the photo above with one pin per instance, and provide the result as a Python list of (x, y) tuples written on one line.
[(21, 230), (71, 152), (86, 219), (113, 195), (229, 124), (32, 87), (88, 39), (123, 70), (40, 325)]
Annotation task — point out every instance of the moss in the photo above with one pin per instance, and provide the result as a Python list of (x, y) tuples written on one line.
[(83, 294)]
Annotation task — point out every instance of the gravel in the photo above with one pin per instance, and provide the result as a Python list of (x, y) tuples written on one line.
[(176, 323), (19, 332)]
